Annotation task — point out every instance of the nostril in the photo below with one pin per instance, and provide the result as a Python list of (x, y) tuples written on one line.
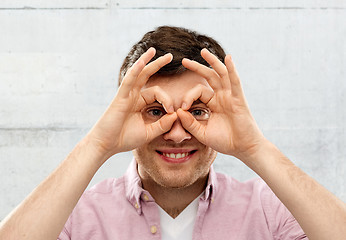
[(177, 133)]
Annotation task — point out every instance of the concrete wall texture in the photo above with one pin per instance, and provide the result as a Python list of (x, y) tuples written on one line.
[(59, 63)]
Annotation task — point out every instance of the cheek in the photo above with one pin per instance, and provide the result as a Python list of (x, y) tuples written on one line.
[(140, 154), (211, 155), (143, 153)]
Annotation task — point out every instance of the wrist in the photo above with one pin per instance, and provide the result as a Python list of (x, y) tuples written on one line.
[(259, 154), (93, 150)]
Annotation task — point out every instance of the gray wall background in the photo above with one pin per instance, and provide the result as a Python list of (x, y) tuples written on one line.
[(59, 63)]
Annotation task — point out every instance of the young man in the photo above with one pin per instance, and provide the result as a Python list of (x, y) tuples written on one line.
[(179, 103)]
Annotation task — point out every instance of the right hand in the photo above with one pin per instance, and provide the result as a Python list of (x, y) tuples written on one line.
[(121, 128)]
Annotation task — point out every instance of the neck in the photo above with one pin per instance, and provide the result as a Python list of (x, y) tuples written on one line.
[(174, 200)]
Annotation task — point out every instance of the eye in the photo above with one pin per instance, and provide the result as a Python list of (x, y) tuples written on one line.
[(155, 112), (200, 114)]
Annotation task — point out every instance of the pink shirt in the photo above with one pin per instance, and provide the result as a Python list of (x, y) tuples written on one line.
[(122, 209)]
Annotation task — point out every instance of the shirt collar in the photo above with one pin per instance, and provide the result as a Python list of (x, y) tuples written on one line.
[(133, 186), (134, 189), (211, 189)]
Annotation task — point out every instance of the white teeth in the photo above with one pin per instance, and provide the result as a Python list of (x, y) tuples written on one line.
[(178, 155)]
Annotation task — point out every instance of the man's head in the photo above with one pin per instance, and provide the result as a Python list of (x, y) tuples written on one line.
[(176, 159), (181, 42)]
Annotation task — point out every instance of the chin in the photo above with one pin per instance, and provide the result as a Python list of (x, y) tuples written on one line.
[(178, 179), (174, 183)]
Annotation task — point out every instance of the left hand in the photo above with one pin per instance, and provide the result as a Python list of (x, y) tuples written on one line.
[(231, 129)]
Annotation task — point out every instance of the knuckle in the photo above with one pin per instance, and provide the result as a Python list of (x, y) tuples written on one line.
[(129, 72), (156, 89), (194, 126), (159, 64), (223, 73), (145, 74), (201, 87)]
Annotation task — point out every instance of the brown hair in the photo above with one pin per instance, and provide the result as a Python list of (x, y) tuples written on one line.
[(181, 42)]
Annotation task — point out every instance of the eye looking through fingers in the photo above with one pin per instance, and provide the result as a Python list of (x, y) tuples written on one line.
[(153, 112), (200, 111), (200, 114)]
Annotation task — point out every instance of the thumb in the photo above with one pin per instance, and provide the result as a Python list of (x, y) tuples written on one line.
[(161, 126), (192, 125)]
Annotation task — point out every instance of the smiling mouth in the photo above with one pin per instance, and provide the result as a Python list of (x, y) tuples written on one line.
[(176, 156)]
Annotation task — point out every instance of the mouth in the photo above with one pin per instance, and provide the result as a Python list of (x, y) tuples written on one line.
[(176, 156)]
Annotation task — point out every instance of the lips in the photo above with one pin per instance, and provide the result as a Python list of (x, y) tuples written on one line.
[(176, 155)]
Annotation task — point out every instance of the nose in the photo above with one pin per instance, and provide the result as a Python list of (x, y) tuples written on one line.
[(177, 133)]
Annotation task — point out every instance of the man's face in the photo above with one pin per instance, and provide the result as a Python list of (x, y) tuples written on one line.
[(175, 159)]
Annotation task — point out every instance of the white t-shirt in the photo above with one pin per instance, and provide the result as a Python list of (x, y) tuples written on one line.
[(180, 227)]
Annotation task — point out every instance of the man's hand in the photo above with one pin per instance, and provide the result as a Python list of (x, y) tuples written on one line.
[(121, 128), (231, 129)]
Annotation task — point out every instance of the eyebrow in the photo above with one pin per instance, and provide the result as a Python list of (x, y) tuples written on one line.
[(198, 101)]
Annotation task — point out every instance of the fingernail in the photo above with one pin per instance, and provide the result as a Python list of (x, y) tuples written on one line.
[(170, 54), (184, 106), (205, 49), (151, 48)]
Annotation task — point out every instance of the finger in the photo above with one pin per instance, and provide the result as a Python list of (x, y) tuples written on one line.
[(156, 93), (192, 125), (209, 74), (152, 68), (218, 66), (161, 126), (201, 92), (138, 66), (234, 77), (133, 72)]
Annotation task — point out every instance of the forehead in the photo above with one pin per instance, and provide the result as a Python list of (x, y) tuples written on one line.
[(177, 83), (177, 86)]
